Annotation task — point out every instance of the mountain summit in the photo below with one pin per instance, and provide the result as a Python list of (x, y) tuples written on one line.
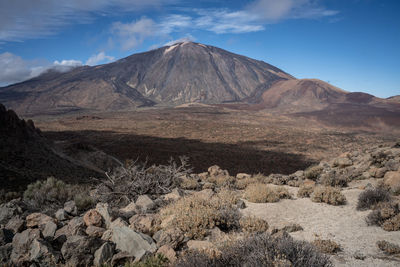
[(171, 75)]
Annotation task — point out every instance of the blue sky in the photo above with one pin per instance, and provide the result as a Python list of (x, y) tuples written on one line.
[(353, 44)]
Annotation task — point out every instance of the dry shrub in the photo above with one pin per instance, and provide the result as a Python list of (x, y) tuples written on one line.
[(125, 183), (194, 215), (333, 179), (189, 184), (305, 191), (313, 172), (392, 224), (243, 183), (369, 198), (8, 196), (329, 195), (262, 193), (386, 215), (253, 224), (387, 247), (260, 249), (157, 260), (222, 180), (326, 246), (228, 196), (52, 193)]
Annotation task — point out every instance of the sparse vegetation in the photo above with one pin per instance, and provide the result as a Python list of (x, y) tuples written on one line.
[(53, 193), (253, 224), (7, 196), (125, 183), (305, 191), (262, 193), (333, 179), (313, 172), (386, 215), (260, 250), (326, 246), (329, 195), (371, 197), (194, 215), (157, 260), (387, 247)]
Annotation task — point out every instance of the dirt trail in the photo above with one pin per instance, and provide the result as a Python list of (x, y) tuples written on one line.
[(342, 224)]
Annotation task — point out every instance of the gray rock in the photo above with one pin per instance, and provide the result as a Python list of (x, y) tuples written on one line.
[(38, 220), (128, 211), (9, 210), (175, 194), (95, 231), (70, 208), (61, 215), (5, 253), (41, 252), (74, 227), (105, 212), (127, 240), (15, 224), (21, 245), (104, 254), (145, 203), (49, 230), (79, 250), (241, 204)]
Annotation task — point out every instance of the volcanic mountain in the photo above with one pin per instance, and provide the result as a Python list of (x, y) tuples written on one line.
[(172, 75)]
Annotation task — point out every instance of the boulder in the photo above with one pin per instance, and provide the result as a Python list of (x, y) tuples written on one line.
[(9, 210), (105, 212), (74, 227), (392, 180), (61, 215), (15, 224), (119, 222), (168, 252), (5, 253), (70, 208), (217, 171), (172, 237), (21, 245), (144, 223), (41, 252), (104, 254), (95, 231), (342, 162), (106, 235), (49, 230), (145, 203), (78, 250), (136, 244), (128, 211), (93, 217), (175, 194), (243, 176), (37, 220)]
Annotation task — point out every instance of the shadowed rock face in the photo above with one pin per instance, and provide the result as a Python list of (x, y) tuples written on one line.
[(172, 75), (25, 155)]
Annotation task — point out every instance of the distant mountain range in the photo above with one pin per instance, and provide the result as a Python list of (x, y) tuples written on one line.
[(174, 75)]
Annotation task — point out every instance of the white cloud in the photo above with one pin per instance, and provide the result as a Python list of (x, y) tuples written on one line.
[(99, 58), (130, 35), (273, 11), (187, 38), (26, 19)]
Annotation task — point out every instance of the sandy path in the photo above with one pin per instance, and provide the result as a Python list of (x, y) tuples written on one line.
[(343, 224)]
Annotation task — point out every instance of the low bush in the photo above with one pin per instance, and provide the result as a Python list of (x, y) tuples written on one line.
[(259, 250), (53, 193), (371, 197), (313, 172), (222, 180), (194, 215), (388, 248), (253, 224), (386, 215), (157, 260), (125, 183), (189, 184), (329, 195), (305, 191), (326, 246), (392, 224), (333, 179), (262, 193)]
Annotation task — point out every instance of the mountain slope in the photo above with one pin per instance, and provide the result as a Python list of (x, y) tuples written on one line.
[(172, 75), (26, 156)]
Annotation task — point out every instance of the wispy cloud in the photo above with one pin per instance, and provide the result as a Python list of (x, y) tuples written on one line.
[(99, 58), (25, 19), (272, 11)]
